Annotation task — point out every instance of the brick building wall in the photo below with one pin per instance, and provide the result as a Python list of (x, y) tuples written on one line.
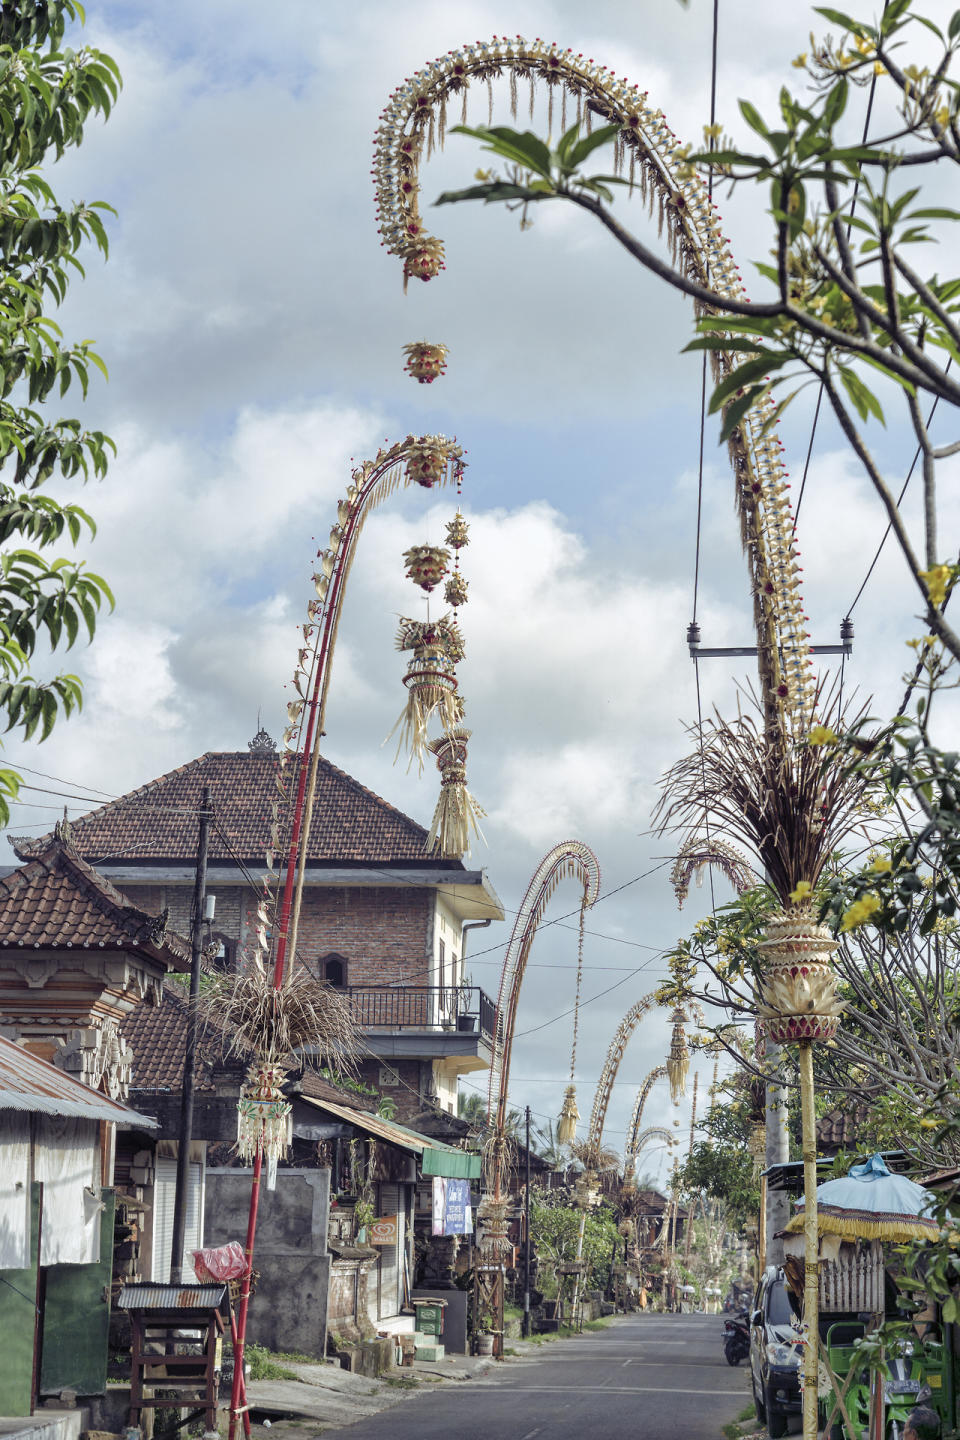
[(385, 934), (406, 1082), (231, 911)]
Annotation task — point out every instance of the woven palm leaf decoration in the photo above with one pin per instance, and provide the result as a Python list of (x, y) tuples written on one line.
[(569, 1117), (264, 1118), (425, 361), (455, 818), (431, 681), (678, 1060)]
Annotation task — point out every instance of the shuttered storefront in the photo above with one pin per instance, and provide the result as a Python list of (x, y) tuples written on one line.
[(165, 1187)]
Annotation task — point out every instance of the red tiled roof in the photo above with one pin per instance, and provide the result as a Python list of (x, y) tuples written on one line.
[(157, 1035), (57, 901), (350, 824), (840, 1129)]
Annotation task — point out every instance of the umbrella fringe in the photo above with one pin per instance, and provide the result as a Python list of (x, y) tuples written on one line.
[(877, 1227)]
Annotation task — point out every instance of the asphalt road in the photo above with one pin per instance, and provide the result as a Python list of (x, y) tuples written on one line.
[(657, 1376)]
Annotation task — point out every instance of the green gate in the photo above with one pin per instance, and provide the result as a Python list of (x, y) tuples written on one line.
[(76, 1318), (18, 1324)]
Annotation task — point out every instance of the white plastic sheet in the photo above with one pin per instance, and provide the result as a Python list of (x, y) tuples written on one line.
[(67, 1160), (14, 1190)]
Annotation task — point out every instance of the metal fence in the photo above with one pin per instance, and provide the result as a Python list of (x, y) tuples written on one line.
[(421, 1007)]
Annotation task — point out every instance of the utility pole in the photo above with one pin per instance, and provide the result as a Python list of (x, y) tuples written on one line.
[(526, 1241), (189, 1064), (777, 1207)]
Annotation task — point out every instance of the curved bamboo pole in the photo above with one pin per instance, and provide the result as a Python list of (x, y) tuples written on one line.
[(570, 859), (415, 119), (372, 482)]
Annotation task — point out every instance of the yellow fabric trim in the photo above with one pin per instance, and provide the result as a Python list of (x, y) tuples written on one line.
[(858, 1227)]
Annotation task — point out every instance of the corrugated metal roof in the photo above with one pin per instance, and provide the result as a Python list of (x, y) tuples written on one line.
[(373, 1124), (29, 1083), (144, 1295), (388, 1130)]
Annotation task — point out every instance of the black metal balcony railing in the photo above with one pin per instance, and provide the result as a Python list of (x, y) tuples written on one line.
[(415, 1007)]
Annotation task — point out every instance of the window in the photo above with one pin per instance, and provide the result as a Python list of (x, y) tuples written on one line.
[(333, 969)]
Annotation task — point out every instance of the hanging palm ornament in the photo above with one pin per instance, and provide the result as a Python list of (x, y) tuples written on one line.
[(426, 565), (431, 681), (678, 1060), (264, 1119), (458, 535), (425, 361), (455, 818), (427, 465), (569, 1114)]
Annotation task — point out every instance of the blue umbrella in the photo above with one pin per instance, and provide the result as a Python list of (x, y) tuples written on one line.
[(873, 1204)]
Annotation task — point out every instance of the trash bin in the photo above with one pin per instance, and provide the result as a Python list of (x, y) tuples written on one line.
[(430, 1316)]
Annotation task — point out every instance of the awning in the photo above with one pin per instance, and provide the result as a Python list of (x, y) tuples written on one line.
[(31, 1084), (436, 1158)]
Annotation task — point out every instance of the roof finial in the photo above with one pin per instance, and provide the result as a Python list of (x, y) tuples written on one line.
[(262, 743)]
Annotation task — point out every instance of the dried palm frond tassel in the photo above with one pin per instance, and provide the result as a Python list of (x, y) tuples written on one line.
[(569, 1115), (252, 1018), (457, 812), (678, 1060)]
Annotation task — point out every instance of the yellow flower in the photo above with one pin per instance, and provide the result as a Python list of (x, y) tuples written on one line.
[(822, 735), (882, 865), (800, 62), (929, 1124), (483, 175), (712, 132), (803, 889), (937, 581), (860, 911), (924, 640)]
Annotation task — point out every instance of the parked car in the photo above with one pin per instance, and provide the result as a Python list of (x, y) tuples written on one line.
[(775, 1355)]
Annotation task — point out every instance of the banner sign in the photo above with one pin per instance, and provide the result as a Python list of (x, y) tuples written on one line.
[(384, 1231), (452, 1212)]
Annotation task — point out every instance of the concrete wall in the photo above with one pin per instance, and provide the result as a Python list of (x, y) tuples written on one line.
[(289, 1310)]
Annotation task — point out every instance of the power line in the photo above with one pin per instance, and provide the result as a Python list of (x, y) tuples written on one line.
[(853, 206), (599, 996)]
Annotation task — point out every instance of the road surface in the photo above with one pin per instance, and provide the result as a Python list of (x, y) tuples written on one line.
[(657, 1376)]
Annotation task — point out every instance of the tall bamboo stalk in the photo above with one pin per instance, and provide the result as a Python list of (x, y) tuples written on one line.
[(811, 1294)]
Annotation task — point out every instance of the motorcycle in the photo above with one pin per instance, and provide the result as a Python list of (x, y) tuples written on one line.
[(736, 1338), (904, 1387)]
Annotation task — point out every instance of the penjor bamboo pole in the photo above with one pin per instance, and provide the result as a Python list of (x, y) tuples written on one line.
[(811, 1297)]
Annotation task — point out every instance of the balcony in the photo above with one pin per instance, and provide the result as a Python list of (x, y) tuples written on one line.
[(461, 1010)]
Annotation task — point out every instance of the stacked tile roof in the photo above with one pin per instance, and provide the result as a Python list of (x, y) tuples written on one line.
[(839, 1129), (157, 1036), (349, 825), (57, 901)]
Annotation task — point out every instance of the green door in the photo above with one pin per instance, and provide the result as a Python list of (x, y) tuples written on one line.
[(76, 1318), (18, 1325)]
